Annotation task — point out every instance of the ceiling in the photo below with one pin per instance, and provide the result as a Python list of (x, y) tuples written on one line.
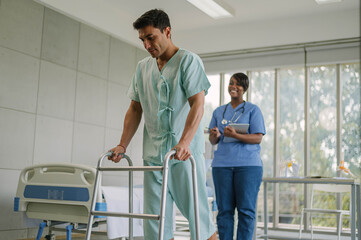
[(254, 21)]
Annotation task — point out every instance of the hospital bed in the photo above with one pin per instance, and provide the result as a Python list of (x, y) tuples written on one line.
[(58, 194)]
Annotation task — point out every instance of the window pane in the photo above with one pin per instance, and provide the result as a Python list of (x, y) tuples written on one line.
[(262, 83), (211, 99), (262, 92), (227, 98), (351, 130), (292, 127), (323, 121), (292, 120)]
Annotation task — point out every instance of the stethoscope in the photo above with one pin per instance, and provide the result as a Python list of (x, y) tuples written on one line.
[(241, 110)]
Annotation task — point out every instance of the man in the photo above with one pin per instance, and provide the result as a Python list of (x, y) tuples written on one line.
[(169, 87)]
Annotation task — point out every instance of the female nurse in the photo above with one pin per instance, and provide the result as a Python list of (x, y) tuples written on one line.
[(237, 166)]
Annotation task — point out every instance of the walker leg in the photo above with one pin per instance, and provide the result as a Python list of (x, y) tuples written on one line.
[(195, 197), (41, 229), (163, 197)]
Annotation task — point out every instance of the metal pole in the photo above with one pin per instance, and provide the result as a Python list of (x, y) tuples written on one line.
[(164, 193), (130, 197), (91, 217), (276, 151), (358, 203), (265, 210), (353, 211), (195, 197)]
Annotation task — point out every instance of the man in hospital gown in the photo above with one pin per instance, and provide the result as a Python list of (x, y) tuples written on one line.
[(169, 88)]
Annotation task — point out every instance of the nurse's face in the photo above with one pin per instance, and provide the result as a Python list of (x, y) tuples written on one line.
[(155, 41), (235, 89)]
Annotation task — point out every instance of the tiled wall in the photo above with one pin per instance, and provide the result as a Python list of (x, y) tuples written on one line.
[(62, 97)]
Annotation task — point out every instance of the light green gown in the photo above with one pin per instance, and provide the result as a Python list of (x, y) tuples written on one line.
[(163, 96)]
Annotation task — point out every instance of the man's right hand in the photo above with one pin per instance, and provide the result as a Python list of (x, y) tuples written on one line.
[(118, 153)]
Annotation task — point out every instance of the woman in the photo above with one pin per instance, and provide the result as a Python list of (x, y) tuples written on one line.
[(237, 166)]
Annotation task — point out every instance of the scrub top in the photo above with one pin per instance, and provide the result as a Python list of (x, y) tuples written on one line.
[(163, 96), (238, 154)]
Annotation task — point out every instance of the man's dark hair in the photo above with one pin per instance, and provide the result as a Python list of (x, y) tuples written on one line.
[(155, 17), (242, 80)]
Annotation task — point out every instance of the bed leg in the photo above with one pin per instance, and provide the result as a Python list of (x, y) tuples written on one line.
[(68, 231), (41, 229)]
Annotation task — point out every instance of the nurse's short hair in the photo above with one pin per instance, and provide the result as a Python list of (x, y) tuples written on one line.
[(155, 17), (242, 80)]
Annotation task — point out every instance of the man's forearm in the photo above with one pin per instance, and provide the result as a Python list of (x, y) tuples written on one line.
[(194, 118), (131, 123)]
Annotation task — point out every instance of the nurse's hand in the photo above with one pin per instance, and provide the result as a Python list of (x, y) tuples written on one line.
[(183, 152), (118, 153), (214, 132), (229, 132)]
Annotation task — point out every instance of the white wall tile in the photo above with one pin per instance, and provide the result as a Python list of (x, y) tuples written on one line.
[(118, 104), (60, 39), (18, 80), (91, 99), (33, 232), (38, 102), (112, 137), (122, 62), (13, 234), (141, 54), (56, 91), (53, 140), (134, 149), (21, 25), (88, 144), (17, 138), (8, 192), (93, 52)]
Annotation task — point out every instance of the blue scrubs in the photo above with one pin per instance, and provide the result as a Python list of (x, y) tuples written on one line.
[(163, 96), (237, 171)]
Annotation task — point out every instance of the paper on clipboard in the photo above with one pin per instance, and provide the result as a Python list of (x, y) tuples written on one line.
[(240, 128)]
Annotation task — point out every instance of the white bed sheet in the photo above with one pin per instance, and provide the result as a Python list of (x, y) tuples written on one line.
[(117, 199)]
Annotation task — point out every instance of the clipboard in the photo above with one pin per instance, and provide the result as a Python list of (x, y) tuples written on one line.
[(240, 128)]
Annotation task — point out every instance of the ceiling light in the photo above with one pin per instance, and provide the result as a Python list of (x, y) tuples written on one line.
[(214, 8), (327, 1)]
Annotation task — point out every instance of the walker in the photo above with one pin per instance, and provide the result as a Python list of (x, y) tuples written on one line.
[(131, 215)]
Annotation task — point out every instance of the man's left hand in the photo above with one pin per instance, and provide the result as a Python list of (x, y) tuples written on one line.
[(183, 152)]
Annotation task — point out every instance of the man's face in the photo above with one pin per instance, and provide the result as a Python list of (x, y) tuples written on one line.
[(155, 41)]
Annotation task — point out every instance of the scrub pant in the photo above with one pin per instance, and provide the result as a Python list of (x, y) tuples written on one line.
[(236, 187), (180, 191)]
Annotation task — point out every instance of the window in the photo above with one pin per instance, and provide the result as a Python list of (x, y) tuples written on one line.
[(351, 127), (292, 120), (322, 111), (211, 99), (291, 142), (262, 93)]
